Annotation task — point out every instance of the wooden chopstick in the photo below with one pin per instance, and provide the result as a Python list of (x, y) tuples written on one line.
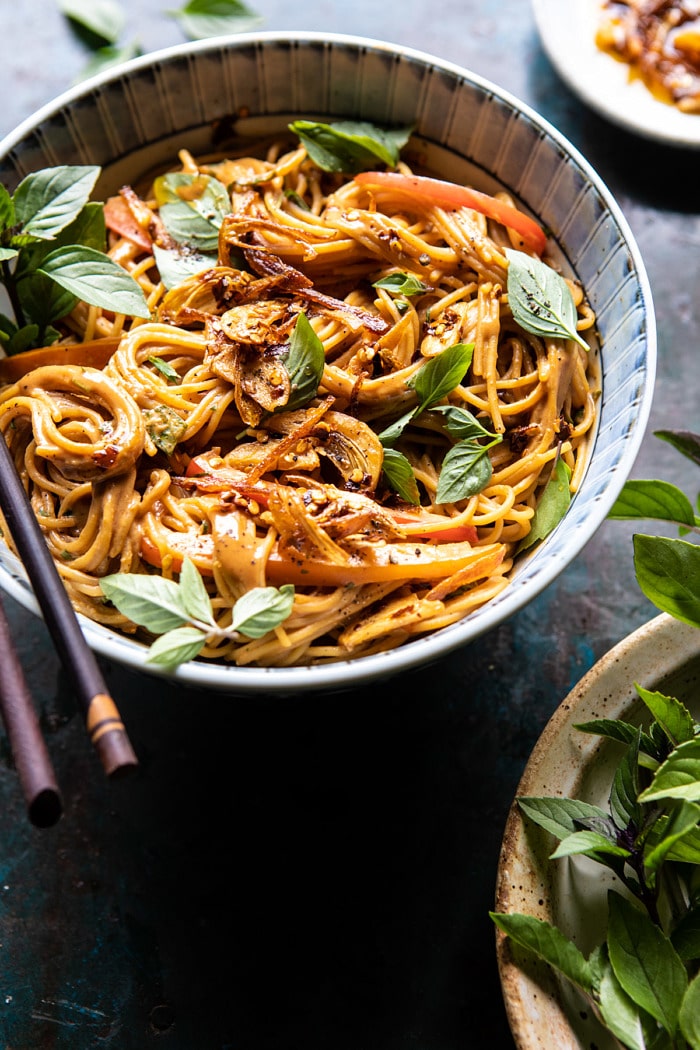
[(103, 722), (36, 775)]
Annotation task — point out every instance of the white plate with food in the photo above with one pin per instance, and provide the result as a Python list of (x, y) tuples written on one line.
[(611, 85)]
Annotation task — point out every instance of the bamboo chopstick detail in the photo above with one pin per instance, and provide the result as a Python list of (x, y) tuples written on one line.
[(104, 725)]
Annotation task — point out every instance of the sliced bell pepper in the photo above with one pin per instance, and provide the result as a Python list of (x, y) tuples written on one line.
[(452, 195)]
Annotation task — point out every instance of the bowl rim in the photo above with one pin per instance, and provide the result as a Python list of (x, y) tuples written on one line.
[(424, 649)]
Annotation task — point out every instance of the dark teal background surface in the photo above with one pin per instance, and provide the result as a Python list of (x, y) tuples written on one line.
[(315, 872)]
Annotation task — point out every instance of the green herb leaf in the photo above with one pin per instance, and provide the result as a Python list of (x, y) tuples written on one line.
[(466, 470), (48, 200), (401, 284), (44, 301), (107, 57), (193, 594), (439, 376), (399, 476), (165, 369), (392, 433), (686, 850), (559, 816), (588, 844), (262, 609), (677, 777), (8, 253), (668, 572), (625, 789), (349, 147), (304, 361), (645, 962), (87, 229), (176, 647), (104, 19), (686, 936), (666, 832), (176, 265), (689, 1016), (94, 277), (553, 505), (674, 717), (619, 1012), (549, 944), (652, 499), (165, 427), (540, 299), (192, 208), (7, 210), (150, 601), (201, 19), (461, 425), (684, 441), (622, 732)]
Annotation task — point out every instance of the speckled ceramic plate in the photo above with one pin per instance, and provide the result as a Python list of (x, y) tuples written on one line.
[(468, 129), (567, 30), (545, 1012)]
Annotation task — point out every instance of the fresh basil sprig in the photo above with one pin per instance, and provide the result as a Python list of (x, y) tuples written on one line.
[(181, 612), (52, 241), (540, 299), (551, 507), (304, 360), (200, 19), (192, 208), (348, 147), (405, 284), (644, 978), (466, 468)]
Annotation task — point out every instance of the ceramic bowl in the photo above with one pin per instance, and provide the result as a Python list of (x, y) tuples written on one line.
[(469, 129), (543, 1010)]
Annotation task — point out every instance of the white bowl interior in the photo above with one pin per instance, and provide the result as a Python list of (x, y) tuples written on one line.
[(136, 118)]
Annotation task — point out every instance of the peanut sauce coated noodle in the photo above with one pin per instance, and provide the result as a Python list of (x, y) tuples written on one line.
[(193, 440)]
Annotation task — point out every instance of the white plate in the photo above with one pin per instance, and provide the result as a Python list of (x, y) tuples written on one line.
[(567, 29), (545, 1012)]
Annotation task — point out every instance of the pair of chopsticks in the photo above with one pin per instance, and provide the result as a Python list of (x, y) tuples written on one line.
[(102, 720)]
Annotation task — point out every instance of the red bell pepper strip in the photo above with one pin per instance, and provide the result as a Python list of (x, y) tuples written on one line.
[(452, 195)]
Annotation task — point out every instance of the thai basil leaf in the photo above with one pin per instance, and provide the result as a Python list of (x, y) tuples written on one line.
[(652, 499), (304, 360), (87, 229), (552, 506), (684, 441), (7, 210), (106, 57), (192, 208), (686, 936), (677, 777), (460, 424), (622, 732), (619, 1012), (8, 253), (177, 265), (193, 594), (645, 962), (549, 944), (201, 19), (687, 849), (176, 647), (689, 1015), (48, 200), (668, 572), (94, 277), (43, 300), (540, 299), (103, 19), (150, 601), (392, 433), (625, 789), (670, 714), (439, 376), (399, 476), (349, 147), (667, 831), (401, 284), (559, 816), (21, 339), (466, 470), (262, 609), (588, 844)]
